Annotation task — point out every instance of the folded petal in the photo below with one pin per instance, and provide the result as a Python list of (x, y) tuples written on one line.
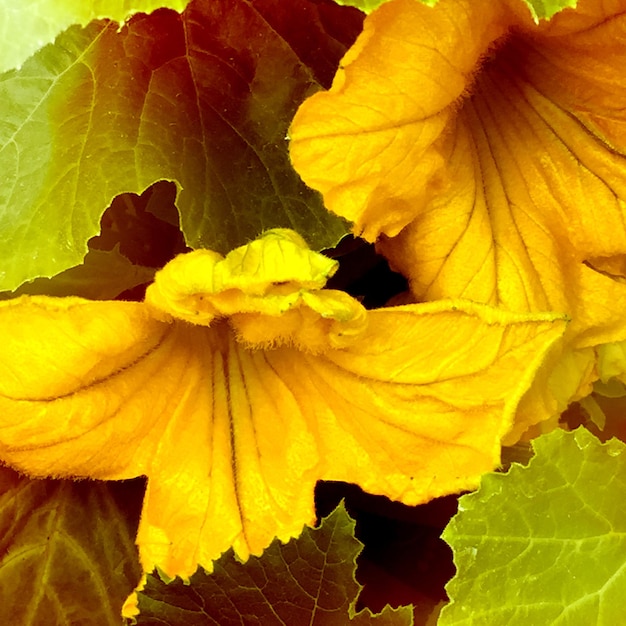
[(318, 321), (535, 111), (371, 144), (415, 409), (264, 276), (233, 431), (519, 194), (78, 393), (612, 361), (275, 276), (564, 377)]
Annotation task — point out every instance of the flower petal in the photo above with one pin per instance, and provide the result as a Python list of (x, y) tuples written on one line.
[(545, 102), (236, 467), (530, 155), (571, 71), (422, 401), (264, 276), (537, 159), (102, 390), (233, 439), (411, 419), (519, 193), (371, 143), (76, 385), (274, 276)]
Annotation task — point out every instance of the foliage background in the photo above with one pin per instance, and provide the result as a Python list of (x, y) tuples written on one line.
[(124, 143)]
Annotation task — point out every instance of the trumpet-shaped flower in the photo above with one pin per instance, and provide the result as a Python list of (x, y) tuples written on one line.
[(241, 381), (486, 153)]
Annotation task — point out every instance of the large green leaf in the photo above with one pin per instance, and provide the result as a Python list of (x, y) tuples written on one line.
[(67, 554), (545, 9), (546, 543), (104, 275), (540, 9), (139, 234), (309, 580), (203, 98), (367, 6), (28, 25)]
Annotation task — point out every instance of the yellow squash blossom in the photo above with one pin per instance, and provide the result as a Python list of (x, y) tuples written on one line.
[(240, 382), (486, 154)]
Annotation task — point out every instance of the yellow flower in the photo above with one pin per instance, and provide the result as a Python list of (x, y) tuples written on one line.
[(485, 152), (240, 382)]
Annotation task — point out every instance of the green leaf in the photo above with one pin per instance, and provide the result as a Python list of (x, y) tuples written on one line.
[(29, 25), (309, 580), (104, 275), (67, 553), (139, 234), (540, 9), (203, 99), (367, 6), (546, 9), (546, 543)]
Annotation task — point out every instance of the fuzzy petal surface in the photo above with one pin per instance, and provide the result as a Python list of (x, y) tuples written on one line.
[(234, 430), (486, 154)]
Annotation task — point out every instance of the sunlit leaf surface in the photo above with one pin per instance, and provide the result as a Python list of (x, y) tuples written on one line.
[(546, 543), (28, 25), (545, 9), (203, 99), (369, 5), (540, 9)]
